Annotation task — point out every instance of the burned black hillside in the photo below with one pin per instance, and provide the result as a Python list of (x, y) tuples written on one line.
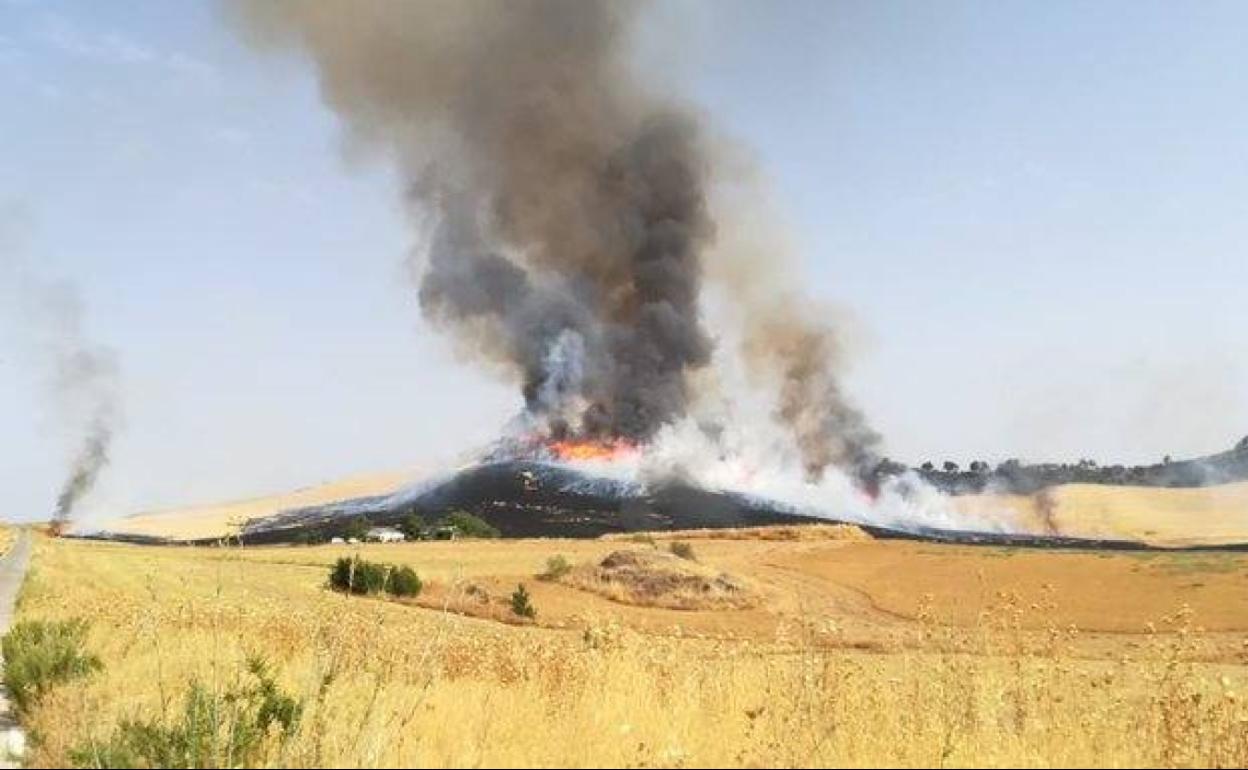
[(532, 499)]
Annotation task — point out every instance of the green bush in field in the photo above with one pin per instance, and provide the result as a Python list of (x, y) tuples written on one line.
[(41, 654), (556, 567), (351, 574), (242, 726), (683, 550), (404, 582)]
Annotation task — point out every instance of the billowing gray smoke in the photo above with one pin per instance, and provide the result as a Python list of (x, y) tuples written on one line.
[(829, 431), (571, 206), (570, 216)]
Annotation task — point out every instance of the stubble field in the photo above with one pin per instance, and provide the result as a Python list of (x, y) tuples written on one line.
[(851, 652)]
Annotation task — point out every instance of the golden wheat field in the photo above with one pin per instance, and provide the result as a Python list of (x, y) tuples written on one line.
[(220, 519), (844, 651), (1161, 516)]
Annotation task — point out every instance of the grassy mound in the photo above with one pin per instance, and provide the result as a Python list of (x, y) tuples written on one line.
[(654, 578)]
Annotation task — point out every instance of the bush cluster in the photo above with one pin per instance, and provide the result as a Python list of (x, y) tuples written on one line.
[(351, 574)]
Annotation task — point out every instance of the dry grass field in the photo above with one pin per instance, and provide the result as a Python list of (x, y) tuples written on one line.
[(857, 652), (221, 519), (1164, 517)]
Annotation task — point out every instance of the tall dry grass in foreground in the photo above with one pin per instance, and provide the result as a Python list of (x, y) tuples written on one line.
[(385, 684)]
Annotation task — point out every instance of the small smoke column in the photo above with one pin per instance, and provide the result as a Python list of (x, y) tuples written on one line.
[(81, 379), (85, 380), (570, 216), (791, 347), (829, 431)]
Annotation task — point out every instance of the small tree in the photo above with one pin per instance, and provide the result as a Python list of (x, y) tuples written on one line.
[(413, 526), (356, 529), (470, 526), (521, 605), (951, 466)]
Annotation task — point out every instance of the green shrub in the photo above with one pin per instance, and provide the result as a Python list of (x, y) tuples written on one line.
[(469, 525), (355, 575), (521, 604), (404, 581), (683, 550), (38, 655), (556, 567), (240, 727)]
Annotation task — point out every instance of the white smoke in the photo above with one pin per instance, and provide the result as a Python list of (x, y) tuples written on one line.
[(559, 395), (734, 441), (760, 462)]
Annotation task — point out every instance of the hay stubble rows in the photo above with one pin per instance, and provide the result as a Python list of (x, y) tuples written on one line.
[(857, 652)]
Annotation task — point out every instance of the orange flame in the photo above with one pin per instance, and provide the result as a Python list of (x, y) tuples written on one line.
[(611, 449)]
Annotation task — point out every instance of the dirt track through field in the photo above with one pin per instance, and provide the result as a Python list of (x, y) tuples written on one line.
[(12, 572)]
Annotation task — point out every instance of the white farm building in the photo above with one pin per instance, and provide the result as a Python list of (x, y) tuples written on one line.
[(384, 535)]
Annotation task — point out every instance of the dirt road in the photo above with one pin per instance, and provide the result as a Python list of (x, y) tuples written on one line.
[(12, 571)]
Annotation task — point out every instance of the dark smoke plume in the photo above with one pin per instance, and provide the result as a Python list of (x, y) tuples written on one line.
[(81, 376), (569, 202), (91, 459), (85, 386), (829, 431)]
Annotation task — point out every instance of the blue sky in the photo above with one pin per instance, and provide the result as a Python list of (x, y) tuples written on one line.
[(1036, 214)]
